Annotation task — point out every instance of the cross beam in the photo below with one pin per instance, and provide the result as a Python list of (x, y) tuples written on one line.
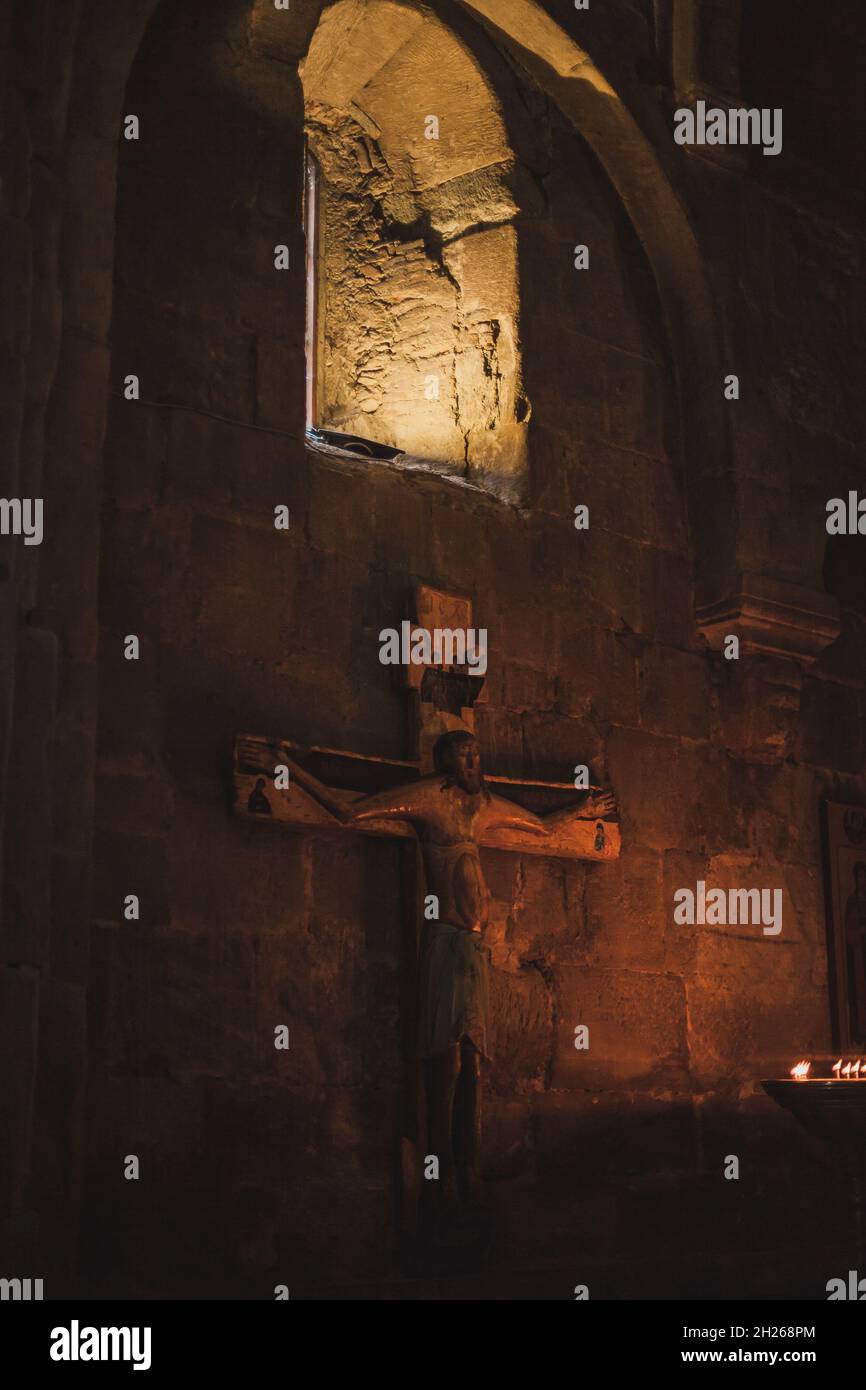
[(350, 776)]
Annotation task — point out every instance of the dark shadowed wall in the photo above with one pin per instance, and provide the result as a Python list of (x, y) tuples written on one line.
[(606, 1167)]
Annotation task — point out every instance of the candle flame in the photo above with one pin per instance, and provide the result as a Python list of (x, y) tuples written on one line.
[(850, 1070)]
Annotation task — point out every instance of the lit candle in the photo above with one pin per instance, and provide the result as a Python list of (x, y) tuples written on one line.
[(801, 1071), (855, 1070), (846, 1070), (837, 1068)]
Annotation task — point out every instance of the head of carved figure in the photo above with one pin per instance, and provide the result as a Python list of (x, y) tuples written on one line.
[(456, 755)]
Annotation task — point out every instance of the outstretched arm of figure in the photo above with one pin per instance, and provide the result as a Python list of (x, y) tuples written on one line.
[(503, 814), (256, 756), (507, 815), (399, 803), (596, 806)]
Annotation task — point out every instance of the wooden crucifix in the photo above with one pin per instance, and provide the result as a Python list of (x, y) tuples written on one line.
[(442, 798)]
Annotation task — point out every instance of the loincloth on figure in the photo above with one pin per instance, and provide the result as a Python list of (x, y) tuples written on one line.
[(453, 989)]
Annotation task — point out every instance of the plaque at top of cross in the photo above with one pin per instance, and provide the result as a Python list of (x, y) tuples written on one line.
[(446, 687)]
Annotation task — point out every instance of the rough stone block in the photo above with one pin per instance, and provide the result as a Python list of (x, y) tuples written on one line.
[(610, 567), (642, 764), (554, 746), (633, 397), (637, 1028), (666, 605), (831, 727), (625, 913), (674, 692), (521, 1013), (757, 706), (598, 674), (746, 990)]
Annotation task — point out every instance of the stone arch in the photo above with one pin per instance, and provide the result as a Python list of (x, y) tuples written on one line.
[(574, 82)]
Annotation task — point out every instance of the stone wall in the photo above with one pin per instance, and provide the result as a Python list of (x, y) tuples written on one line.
[(260, 1166)]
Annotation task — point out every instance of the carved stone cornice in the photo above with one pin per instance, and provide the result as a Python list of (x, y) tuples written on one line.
[(772, 617)]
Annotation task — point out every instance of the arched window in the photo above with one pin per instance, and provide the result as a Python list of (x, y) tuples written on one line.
[(412, 306)]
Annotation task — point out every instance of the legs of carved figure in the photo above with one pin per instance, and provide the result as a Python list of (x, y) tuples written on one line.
[(440, 1077), (453, 1085), (467, 1123)]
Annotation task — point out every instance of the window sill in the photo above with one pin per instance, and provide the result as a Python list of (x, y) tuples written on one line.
[(404, 463)]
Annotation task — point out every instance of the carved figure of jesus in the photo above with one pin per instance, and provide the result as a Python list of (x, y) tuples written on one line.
[(451, 810)]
